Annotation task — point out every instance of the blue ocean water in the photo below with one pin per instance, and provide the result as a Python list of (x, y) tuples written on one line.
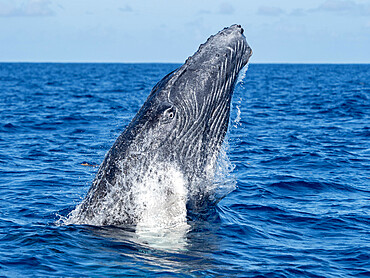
[(299, 140)]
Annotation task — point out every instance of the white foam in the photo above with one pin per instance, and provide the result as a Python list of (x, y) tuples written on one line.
[(157, 199), (161, 198), (224, 179), (242, 74), (236, 121), (161, 202)]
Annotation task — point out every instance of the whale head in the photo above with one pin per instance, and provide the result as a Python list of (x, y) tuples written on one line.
[(190, 107)]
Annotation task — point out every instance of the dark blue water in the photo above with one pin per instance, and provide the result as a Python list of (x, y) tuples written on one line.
[(301, 152)]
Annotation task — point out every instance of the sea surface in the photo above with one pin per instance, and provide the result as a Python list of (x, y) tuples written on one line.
[(299, 143)]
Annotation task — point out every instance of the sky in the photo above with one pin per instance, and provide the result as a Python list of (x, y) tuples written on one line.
[(287, 31)]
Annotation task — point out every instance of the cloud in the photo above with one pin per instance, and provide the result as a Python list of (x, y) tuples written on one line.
[(226, 8), (337, 6), (26, 8), (270, 11), (343, 7), (126, 9), (298, 12)]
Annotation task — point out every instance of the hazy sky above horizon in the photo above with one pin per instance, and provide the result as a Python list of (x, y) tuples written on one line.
[(331, 31)]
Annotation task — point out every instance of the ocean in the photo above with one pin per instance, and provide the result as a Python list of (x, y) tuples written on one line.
[(299, 148)]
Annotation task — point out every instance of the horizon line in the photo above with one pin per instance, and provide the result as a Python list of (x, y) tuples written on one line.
[(110, 62)]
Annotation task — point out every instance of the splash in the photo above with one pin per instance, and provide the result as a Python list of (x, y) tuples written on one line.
[(242, 74), (224, 179), (236, 121), (158, 199), (157, 196), (161, 200), (239, 82)]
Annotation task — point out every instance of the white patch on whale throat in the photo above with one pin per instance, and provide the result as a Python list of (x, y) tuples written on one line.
[(157, 196), (157, 199)]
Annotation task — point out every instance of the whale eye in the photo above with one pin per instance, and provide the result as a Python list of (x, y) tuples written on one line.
[(169, 114)]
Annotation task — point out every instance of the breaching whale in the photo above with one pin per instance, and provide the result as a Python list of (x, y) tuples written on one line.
[(161, 161)]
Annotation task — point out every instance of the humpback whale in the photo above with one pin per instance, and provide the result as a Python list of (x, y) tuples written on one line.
[(159, 165)]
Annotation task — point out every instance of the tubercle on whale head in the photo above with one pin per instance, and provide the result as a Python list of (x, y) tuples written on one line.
[(220, 59), (224, 37), (227, 48)]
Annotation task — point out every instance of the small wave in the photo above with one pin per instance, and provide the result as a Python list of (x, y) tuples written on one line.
[(302, 186)]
